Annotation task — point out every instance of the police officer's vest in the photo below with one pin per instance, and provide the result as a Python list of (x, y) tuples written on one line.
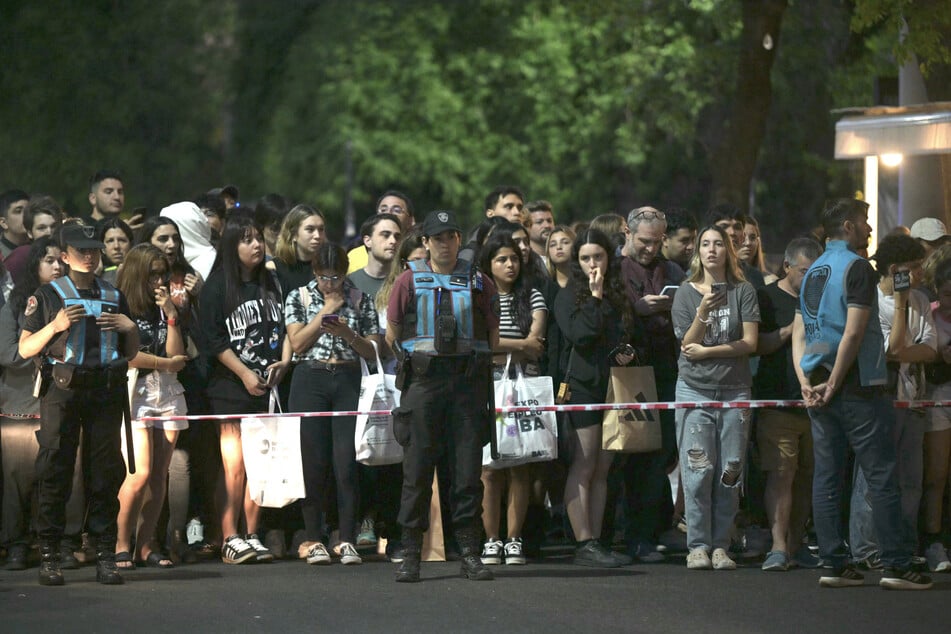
[(108, 301), (431, 288), (823, 304)]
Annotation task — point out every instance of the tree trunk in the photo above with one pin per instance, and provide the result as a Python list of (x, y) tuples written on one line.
[(733, 159)]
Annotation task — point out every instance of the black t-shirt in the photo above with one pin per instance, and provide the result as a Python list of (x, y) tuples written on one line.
[(294, 276), (776, 377), (153, 334), (254, 330), (41, 309)]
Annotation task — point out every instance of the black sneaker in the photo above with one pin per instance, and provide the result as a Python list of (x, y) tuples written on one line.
[(594, 555), (237, 551), (847, 577), (904, 579), (872, 562)]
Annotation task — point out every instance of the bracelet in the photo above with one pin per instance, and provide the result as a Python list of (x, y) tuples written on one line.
[(155, 362), (708, 320), (171, 321), (355, 336)]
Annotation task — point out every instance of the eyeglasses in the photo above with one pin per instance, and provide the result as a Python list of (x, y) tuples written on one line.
[(330, 278), (650, 214)]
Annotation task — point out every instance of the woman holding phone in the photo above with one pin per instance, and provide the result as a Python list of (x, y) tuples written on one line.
[(330, 325), (716, 318), (243, 333)]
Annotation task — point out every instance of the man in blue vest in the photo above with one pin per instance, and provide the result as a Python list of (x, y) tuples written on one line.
[(443, 323), (839, 358), (79, 329)]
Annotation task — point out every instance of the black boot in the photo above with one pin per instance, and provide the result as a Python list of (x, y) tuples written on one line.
[(469, 539), (107, 573), (50, 574), (412, 545)]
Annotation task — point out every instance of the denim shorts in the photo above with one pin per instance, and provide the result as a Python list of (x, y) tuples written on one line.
[(158, 394)]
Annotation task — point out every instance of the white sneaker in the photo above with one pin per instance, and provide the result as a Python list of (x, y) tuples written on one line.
[(318, 555), (513, 552), (698, 559), (937, 558), (348, 554), (722, 561), (260, 550), (492, 553)]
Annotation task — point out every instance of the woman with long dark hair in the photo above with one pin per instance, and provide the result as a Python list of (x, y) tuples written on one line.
[(156, 392), (242, 330), (19, 409), (594, 318), (716, 317), (523, 316)]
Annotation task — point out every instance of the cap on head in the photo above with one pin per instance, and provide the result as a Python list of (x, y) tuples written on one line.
[(79, 236), (439, 221), (929, 229)]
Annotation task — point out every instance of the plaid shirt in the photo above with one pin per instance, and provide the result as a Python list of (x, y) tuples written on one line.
[(363, 320)]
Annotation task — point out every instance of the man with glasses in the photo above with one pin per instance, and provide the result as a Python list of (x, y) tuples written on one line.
[(646, 273), (391, 202)]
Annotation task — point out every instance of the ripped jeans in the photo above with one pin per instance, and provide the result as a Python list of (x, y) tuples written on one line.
[(712, 449)]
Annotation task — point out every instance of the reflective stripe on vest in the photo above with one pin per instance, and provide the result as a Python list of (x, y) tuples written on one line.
[(76, 340), (428, 286)]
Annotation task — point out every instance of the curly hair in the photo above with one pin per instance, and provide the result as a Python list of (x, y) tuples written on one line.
[(613, 283)]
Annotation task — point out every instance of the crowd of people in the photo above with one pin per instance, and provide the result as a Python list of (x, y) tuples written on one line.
[(217, 307)]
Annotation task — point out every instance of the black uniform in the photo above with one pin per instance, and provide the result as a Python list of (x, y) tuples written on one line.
[(92, 402), (445, 322)]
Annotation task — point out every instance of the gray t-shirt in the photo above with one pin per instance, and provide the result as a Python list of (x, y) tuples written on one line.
[(727, 326), (369, 285)]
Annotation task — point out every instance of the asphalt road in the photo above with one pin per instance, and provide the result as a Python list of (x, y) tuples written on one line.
[(552, 596)]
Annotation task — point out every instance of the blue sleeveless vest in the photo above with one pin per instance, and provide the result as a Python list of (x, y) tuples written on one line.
[(76, 340), (822, 302), (429, 288)]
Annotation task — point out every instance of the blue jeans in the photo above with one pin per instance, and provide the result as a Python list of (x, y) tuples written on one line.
[(866, 424), (712, 448), (909, 440)]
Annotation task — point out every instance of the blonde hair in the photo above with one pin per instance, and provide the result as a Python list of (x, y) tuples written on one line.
[(286, 249)]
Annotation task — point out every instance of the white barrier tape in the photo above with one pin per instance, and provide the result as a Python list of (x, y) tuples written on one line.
[(592, 407)]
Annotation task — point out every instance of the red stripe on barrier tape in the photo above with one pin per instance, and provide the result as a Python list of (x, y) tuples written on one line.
[(592, 407)]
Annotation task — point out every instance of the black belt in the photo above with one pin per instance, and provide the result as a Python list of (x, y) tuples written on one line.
[(97, 378), (345, 366), (433, 366)]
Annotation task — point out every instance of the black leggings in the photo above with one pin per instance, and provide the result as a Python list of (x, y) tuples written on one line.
[(326, 442)]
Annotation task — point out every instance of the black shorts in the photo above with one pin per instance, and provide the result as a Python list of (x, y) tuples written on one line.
[(230, 397)]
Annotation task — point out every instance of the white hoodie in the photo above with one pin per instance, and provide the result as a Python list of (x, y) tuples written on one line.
[(196, 235)]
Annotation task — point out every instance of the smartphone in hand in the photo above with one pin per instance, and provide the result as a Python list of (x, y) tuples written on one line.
[(901, 281), (718, 287), (331, 319)]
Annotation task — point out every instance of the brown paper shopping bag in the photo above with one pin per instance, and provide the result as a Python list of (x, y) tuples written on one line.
[(631, 431), (434, 547)]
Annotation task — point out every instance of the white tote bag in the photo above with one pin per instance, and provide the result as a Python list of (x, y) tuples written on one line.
[(523, 437), (272, 459), (373, 438)]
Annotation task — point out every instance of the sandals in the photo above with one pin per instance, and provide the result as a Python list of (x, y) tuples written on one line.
[(124, 560), (156, 559)]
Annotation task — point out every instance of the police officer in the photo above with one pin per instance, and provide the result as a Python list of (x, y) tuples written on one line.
[(78, 328), (442, 323)]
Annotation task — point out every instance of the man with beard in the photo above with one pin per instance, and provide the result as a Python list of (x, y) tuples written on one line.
[(541, 223)]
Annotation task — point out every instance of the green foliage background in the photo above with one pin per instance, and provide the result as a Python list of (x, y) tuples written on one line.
[(597, 106)]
